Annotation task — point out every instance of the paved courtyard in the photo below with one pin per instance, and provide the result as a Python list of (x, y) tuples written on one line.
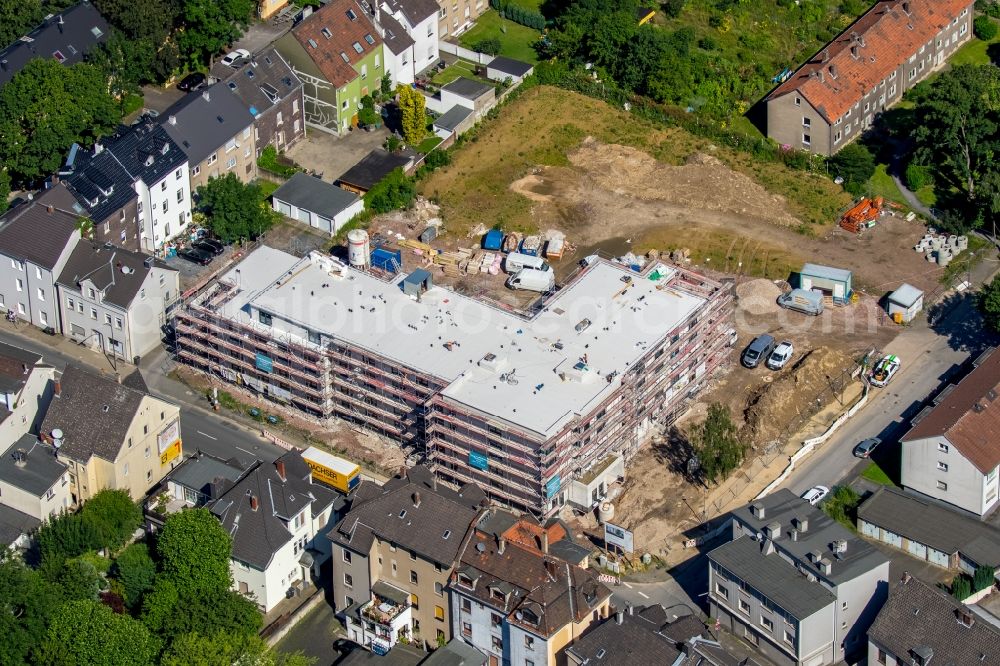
[(333, 155)]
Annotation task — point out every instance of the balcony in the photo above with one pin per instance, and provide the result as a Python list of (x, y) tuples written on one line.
[(383, 621)]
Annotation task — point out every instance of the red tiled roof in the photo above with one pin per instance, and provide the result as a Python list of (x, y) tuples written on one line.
[(329, 51), (969, 416), (834, 79)]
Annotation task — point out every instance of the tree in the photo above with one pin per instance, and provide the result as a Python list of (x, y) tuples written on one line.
[(842, 505), (89, 633), (856, 165), (235, 210), (961, 587), (47, 107), (984, 28), (983, 577), (27, 601), (489, 46), (223, 649), (989, 304), (79, 579), (194, 551), (209, 26), (114, 516), (717, 443), (411, 113), (385, 85), (136, 571), (18, 17), (394, 192), (62, 537)]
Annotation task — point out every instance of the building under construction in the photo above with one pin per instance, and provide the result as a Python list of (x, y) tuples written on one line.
[(539, 409)]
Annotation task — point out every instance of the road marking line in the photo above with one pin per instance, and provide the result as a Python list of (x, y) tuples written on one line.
[(643, 595), (245, 451), (626, 585), (206, 435)]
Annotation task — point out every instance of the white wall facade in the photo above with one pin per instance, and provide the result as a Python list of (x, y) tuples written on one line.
[(400, 66), (269, 587), (317, 221), (936, 468), (164, 207), (29, 407), (29, 289), (50, 503)]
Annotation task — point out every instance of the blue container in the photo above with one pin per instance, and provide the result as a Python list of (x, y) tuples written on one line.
[(387, 260), (493, 240)]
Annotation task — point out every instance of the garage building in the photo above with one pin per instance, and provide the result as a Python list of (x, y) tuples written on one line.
[(833, 282), (316, 203), (905, 303)]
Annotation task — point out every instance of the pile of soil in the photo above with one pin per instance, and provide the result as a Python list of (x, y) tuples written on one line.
[(771, 408), (758, 297)]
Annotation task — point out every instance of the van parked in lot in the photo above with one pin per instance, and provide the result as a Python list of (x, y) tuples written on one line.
[(758, 351), (802, 300), (533, 280), (515, 261)]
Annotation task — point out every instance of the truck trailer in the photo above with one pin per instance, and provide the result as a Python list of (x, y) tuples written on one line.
[(338, 473)]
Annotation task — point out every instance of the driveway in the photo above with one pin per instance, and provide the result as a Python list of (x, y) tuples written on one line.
[(259, 35), (160, 99), (314, 635), (331, 155)]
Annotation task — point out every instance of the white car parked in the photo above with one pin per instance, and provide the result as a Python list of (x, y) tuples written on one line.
[(781, 355), (233, 58), (815, 494)]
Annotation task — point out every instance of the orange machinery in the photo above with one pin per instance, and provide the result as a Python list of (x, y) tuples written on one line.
[(862, 215)]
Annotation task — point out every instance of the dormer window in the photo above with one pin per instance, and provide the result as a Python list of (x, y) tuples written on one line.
[(465, 581), (326, 33), (529, 617), (496, 593)]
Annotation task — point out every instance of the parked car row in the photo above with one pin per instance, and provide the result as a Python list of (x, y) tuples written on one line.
[(774, 354), (202, 251)]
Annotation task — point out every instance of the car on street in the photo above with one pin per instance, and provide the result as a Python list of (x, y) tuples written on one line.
[(884, 370), (196, 255), (212, 247), (815, 494), (233, 58), (759, 349), (780, 356), (192, 81), (865, 447)]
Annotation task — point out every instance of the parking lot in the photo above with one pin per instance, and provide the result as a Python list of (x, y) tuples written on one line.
[(194, 275), (331, 155)]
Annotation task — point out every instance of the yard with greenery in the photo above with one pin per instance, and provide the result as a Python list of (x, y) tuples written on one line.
[(516, 41), (457, 69), (875, 473)]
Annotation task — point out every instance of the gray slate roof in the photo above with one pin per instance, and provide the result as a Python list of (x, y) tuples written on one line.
[(119, 273), (782, 507), (919, 615), (263, 81), (773, 577), (203, 121), (210, 476), (415, 11), (637, 641), (13, 524), (37, 233), (66, 37), (39, 469), (373, 167), (94, 412), (99, 182), (468, 88), (453, 117), (932, 525), (399, 655), (393, 516), (455, 653), (396, 38), (312, 194), (510, 66)]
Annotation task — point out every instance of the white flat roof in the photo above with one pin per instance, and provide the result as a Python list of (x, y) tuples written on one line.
[(562, 362)]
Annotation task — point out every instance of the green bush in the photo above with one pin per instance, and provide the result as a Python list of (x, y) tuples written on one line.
[(708, 43), (394, 192), (855, 164), (520, 15), (983, 578), (672, 8), (367, 117), (961, 587), (268, 161), (984, 28), (489, 46), (917, 176), (842, 505)]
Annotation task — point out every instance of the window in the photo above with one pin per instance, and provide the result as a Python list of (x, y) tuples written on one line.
[(377, 61), (806, 122), (943, 448), (529, 642), (326, 33), (93, 313), (438, 589), (941, 485), (767, 623), (722, 590), (212, 159), (789, 638), (20, 308), (415, 601), (348, 580), (495, 620), (107, 225), (41, 294), (443, 12), (38, 272), (357, 47), (439, 613), (145, 430), (142, 292), (466, 605), (943, 467), (440, 637), (413, 577), (43, 317), (147, 451), (163, 186), (806, 139), (430, 29), (744, 605), (264, 318), (125, 470), (467, 630), (295, 106), (194, 172), (364, 75), (347, 556), (20, 284), (230, 163), (992, 475), (848, 114), (837, 137), (880, 657), (107, 319)]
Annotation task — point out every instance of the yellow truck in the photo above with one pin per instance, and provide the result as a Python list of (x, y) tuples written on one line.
[(331, 470)]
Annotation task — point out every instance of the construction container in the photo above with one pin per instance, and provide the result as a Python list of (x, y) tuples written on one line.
[(358, 248), (531, 245), (493, 240), (834, 282), (554, 248), (905, 303), (387, 260), (331, 470)]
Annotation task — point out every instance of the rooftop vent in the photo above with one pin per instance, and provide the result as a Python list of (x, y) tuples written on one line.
[(801, 524), (757, 510), (20, 458), (480, 548), (493, 362), (965, 617), (922, 654), (773, 530), (825, 565), (839, 547)]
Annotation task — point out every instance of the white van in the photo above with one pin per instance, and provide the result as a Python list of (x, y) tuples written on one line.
[(533, 280), (515, 261)]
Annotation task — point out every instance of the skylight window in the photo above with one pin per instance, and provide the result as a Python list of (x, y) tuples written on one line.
[(326, 33), (351, 15), (357, 47), (250, 74), (369, 39), (96, 32), (267, 59), (344, 56), (312, 43)]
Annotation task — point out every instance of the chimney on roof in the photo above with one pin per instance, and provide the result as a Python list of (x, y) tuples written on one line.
[(501, 545), (57, 388), (801, 524), (434, 482), (50, 209), (757, 510), (550, 566), (545, 542), (826, 55), (205, 96), (253, 501), (620, 617), (172, 119), (855, 52), (402, 472), (416, 499), (906, 578), (60, 23), (906, 8), (98, 148), (20, 458), (833, 71), (965, 617), (279, 465)]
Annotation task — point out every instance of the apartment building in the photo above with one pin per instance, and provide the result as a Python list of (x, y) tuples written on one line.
[(104, 192), (393, 553), (26, 386), (337, 53), (214, 130), (923, 625), (33, 480), (36, 240), (519, 403), (519, 605), (111, 433), (457, 16), (277, 517), (836, 95), (115, 300), (795, 583), (410, 31), (950, 453), (272, 93)]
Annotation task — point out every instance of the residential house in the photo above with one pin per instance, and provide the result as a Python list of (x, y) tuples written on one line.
[(143, 159), (67, 37), (521, 605), (457, 16), (276, 515), (929, 530), (272, 93), (36, 239), (795, 583), (26, 385), (33, 480), (16, 528), (111, 434), (372, 168), (116, 300), (836, 95), (393, 553), (922, 625), (214, 130), (419, 23), (317, 203), (337, 53), (951, 452), (646, 636)]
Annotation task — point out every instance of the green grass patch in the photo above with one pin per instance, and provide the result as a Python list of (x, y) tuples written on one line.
[(882, 185), (131, 104), (876, 474), (926, 195), (456, 70), (267, 186), (279, 165), (428, 144), (973, 53), (516, 41)]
